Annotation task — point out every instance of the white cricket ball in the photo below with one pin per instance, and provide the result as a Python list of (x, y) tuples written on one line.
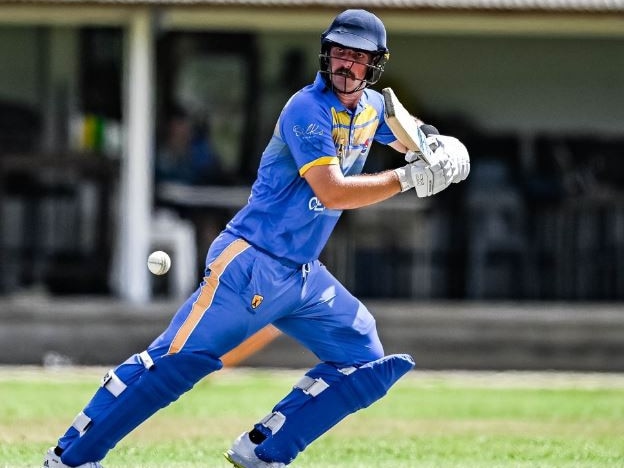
[(159, 262)]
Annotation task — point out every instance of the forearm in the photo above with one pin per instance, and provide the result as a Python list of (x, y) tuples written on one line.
[(338, 192), (368, 189)]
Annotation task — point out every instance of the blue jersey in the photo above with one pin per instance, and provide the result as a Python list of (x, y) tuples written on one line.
[(283, 215)]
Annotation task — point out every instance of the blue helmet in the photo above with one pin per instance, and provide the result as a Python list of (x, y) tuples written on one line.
[(360, 30)]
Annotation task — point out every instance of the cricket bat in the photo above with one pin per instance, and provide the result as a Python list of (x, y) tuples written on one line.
[(251, 346), (405, 128)]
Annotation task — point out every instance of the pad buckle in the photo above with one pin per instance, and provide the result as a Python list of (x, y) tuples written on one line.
[(112, 383), (311, 386), (81, 423), (146, 360), (273, 421)]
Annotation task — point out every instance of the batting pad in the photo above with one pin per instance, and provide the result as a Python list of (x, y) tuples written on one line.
[(321, 399), (110, 417)]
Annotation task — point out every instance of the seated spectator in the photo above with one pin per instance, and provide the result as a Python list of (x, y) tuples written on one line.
[(186, 154)]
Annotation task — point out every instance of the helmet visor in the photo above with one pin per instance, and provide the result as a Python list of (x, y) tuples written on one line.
[(352, 40)]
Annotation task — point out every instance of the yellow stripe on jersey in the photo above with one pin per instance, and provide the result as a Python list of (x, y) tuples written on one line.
[(324, 161), (365, 125), (342, 118), (367, 115), (363, 134), (206, 295)]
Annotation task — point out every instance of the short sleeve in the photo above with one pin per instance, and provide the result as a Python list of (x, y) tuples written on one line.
[(306, 128)]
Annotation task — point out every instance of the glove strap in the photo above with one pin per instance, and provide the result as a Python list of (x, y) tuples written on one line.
[(405, 181)]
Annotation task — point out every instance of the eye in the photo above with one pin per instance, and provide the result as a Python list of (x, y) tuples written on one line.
[(362, 57)]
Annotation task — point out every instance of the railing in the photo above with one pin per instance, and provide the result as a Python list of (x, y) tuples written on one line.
[(406, 247)]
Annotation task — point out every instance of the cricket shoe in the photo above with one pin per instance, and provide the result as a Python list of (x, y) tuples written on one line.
[(242, 455), (52, 460)]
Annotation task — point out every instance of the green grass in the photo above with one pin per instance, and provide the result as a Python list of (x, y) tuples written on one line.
[(427, 420)]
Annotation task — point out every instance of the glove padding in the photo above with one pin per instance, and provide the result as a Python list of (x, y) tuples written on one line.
[(455, 150), (426, 179), (453, 166)]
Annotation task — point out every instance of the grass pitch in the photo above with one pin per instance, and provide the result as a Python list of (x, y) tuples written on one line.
[(428, 419)]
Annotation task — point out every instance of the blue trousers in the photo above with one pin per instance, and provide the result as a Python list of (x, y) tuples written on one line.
[(245, 289)]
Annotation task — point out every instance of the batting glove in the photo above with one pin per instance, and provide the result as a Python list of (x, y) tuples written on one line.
[(426, 179), (434, 144), (456, 151)]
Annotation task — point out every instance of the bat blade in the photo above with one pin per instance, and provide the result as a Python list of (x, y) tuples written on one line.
[(251, 346), (405, 128)]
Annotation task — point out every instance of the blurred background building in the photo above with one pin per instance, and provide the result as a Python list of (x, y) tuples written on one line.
[(131, 126)]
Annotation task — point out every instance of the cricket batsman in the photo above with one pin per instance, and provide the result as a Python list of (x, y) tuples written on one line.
[(263, 269)]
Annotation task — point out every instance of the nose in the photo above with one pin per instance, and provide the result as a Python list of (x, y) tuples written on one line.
[(347, 63), (350, 56)]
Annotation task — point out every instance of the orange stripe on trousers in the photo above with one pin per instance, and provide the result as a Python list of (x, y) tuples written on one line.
[(206, 295)]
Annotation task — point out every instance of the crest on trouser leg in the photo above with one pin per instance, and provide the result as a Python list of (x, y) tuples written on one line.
[(256, 301)]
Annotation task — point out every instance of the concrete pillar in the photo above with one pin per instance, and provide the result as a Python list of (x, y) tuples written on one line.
[(136, 187)]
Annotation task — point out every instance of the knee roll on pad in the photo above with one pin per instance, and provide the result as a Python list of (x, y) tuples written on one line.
[(322, 398), (120, 406)]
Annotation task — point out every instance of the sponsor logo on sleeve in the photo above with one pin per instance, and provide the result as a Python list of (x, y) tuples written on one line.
[(311, 137), (314, 204)]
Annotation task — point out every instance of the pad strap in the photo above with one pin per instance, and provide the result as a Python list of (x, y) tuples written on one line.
[(112, 383), (347, 370), (81, 422), (146, 359), (311, 386), (273, 421)]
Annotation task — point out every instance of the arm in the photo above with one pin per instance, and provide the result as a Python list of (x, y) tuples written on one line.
[(338, 192)]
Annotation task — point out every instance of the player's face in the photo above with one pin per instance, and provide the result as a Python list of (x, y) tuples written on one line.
[(348, 67)]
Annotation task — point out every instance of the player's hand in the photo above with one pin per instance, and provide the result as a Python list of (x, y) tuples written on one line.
[(456, 151), (412, 156), (434, 144), (427, 179)]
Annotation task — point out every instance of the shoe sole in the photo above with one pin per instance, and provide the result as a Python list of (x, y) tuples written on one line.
[(228, 457)]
